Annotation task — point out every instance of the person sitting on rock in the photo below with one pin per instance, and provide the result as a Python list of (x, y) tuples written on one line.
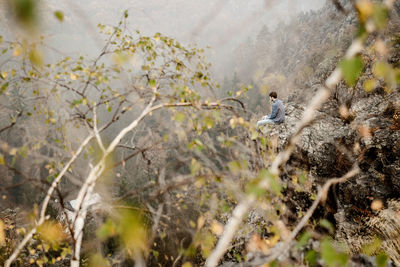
[(277, 115)]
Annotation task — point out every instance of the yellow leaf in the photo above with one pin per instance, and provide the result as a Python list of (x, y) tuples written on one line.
[(17, 52), (4, 74), (366, 9), (73, 76), (369, 85), (133, 232), (2, 234), (232, 122), (13, 151), (217, 228), (51, 232), (200, 222), (2, 162), (36, 57), (377, 204), (258, 244)]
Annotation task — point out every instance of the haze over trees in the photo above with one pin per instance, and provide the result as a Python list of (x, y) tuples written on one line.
[(134, 154)]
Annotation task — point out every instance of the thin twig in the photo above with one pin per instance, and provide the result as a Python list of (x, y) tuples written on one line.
[(321, 196), (46, 201), (308, 115), (96, 130)]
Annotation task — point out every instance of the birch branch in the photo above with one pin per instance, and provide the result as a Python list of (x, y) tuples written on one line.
[(321, 196), (243, 207), (46, 201), (96, 130), (96, 171), (87, 188)]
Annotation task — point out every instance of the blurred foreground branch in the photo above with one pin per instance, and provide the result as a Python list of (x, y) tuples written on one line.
[(45, 203), (321, 197), (243, 207)]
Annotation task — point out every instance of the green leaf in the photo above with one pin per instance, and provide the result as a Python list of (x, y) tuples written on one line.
[(195, 167), (381, 260), (380, 16), (36, 57), (327, 225), (351, 69), (59, 15), (381, 69), (108, 229), (152, 83), (77, 102), (311, 257), (23, 151), (4, 86), (372, 247), (302, 178), (397, 75), (254, 135), (180, 117), (274, 185), (331, 257), (207, 244), (234, 167), (25, 10), (256, 190), (303, 239), (369, 85), (97, 260)]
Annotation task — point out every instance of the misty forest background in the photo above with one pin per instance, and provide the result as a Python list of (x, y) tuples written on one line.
[(128, 138)]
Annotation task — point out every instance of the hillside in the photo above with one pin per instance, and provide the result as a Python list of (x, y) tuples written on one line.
[(355, 125)]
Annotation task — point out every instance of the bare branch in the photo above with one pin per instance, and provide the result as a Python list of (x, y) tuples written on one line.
[(322, 194), (230, 229), (96, 130), (46, 201), (87, 188), (339, 6), (243, 207), (12, 123)]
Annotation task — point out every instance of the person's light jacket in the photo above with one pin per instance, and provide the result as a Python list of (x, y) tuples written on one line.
[(278, 112)]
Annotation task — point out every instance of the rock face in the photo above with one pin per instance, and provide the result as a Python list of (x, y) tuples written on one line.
[(367, 131), (353, 126)]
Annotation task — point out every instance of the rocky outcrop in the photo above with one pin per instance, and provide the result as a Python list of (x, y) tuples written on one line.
[(369, 133)]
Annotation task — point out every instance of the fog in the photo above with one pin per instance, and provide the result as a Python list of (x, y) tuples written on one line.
[(220, 24)]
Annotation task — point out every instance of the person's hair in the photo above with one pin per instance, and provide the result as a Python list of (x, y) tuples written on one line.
[(273, 94)]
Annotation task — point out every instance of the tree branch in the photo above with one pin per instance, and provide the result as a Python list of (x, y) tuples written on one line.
[(321, 196), (46, 201), (243, 207)]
